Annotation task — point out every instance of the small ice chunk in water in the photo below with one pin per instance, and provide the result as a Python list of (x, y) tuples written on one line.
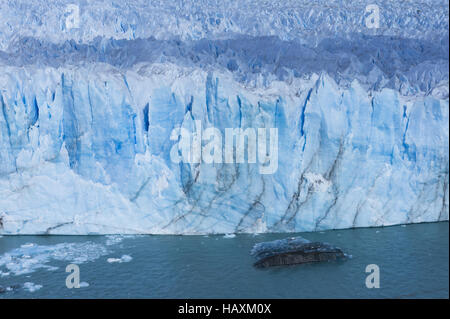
[(123, 259), (126, 258), (27, 245), (113, 260), (9, 288), (113, 239), (229, 236), (31, 287)]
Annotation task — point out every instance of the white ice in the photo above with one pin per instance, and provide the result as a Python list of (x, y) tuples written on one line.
[(86, 117)]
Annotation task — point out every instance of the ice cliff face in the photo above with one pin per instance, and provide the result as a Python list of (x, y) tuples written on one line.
[(86, 116)]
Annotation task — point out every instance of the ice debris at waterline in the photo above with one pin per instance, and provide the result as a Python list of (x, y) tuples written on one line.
[(14, 287), (294, 250)]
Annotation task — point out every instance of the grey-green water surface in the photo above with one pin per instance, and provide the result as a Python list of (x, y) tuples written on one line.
[(413, 262)]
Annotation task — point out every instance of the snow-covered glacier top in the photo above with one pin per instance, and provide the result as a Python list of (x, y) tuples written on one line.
[(278, 40), (302, 20)]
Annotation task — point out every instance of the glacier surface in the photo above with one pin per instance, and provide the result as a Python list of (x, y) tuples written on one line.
[(86, 115)]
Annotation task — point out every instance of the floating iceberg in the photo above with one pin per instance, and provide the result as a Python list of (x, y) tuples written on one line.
[(31, 287), (123, 259), (294, 250)]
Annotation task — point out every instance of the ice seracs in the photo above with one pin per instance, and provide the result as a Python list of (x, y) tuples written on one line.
[(85, 152)]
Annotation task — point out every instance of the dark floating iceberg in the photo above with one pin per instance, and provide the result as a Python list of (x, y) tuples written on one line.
[(8, 288), (293, 250)]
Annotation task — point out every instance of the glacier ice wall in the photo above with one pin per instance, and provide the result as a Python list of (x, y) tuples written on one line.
[(86, 116)]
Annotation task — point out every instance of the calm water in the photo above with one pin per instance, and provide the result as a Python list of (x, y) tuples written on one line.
[(413, 261)]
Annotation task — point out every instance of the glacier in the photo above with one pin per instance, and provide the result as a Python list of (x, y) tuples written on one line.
[(86, 115)]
